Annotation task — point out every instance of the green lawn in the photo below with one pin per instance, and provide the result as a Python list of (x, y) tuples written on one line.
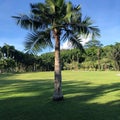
[(88, 96)]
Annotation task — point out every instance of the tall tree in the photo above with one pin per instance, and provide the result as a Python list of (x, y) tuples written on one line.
[(61, 21), (93, 43), (115, 55), (94, 50), (0, 52), (5, 50)]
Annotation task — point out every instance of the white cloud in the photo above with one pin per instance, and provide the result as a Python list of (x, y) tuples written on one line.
[(85, 40), (67, 44)]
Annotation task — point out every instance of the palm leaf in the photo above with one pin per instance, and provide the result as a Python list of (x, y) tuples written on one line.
[(37, 8), (51, 4), (37, 41), (76, 42), (24, 21), (60, 3)]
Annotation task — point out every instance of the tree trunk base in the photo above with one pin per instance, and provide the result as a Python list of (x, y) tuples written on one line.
[(58, 98)]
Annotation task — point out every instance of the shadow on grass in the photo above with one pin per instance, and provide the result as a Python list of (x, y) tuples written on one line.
[(31, 100)]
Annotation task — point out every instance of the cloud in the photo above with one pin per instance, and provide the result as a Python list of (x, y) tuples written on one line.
[(68, 45), (85, 40)]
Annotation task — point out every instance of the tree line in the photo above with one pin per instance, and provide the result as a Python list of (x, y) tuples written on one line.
[(95, 57)]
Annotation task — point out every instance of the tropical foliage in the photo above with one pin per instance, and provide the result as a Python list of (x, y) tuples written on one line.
[(73, 59)]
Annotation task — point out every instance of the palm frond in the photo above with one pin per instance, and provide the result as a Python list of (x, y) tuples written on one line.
[(60, 3), (37, 8), (69, 11), (72, 13), (24, 21), (95, 31), (44, 11), (51, 4), (31, 22), (40, 9), (74, 38), (37, 41), (76, 42), (84, 27), (87, 21), (66, 34)]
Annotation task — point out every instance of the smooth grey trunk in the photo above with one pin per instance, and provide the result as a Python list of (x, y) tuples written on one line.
[(57, 96)]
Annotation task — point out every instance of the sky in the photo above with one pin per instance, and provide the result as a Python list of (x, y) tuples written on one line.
[(104, 13)]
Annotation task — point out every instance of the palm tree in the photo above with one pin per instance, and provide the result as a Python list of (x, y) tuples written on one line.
[(61, 21)]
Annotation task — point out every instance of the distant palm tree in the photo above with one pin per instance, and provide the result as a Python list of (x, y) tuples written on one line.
[(61, 21)]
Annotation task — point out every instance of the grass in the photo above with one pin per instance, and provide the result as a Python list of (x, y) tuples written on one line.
[(88, 96)]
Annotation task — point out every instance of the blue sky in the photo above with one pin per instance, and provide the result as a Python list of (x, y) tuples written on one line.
[(104, 13)]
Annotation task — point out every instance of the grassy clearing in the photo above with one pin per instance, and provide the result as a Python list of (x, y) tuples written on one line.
[(88, 96)]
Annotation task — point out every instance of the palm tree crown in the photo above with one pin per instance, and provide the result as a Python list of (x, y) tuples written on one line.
[(55, 17), (59, 20)]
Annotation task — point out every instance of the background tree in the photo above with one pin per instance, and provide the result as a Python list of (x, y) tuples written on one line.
[(93, 43), (8, 51), (1, 53), (93, 50), (106, 61), (72, 59), (46, 61), (5, 50), (60, 20), (9, 65), (115, 55)]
